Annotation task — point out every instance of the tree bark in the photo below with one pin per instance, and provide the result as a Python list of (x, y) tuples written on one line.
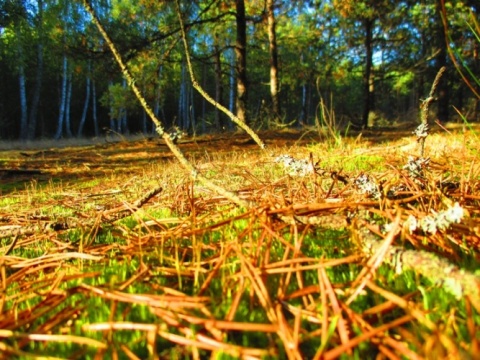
[(63, 100), (219, 122), (85, 104), (241, 61), (272, 38), (231, 95), (204, 101), (303, 113), (123, 121), (68, 125), (183, 99), (476, 70), (111, 113), (443, 98), (23, 100), (368, 103), (157, 108), (32, 122), (191, 110), (94, 109)]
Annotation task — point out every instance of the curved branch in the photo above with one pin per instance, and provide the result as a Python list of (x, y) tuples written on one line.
[(207, 97), (159, 128)]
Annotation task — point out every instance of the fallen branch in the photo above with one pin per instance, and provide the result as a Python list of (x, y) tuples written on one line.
[(106, 217), (454, 280), (159, 128), (205, 95)]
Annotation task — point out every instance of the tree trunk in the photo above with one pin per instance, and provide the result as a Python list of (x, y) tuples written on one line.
[(23, 102), (241, 61), (123, 121), (476, 65), (111, 112), (231, 96), (191, 110), (32, 122), (204, 101), (94, 109), (476, 70), (443, 95), (303, 113), (183, 99), (368, 104), (308, 105), (22, 87), (274, 82), (63, 100), (158, 98), (68, 125), (85, 104), (144, 114), (219, 122), (144, 122)]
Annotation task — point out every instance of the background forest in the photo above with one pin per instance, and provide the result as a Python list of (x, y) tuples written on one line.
[(272, 62)]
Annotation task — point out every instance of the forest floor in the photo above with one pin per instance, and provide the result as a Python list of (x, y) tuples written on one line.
[(108, 249)]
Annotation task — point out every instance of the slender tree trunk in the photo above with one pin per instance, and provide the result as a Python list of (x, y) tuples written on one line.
[(85, 104), (274, 81), (204, 101), (302, 120), (219, 122), (94, 109), (22, 87), (303, 113), (158, 97), (476, 70), (182, 111), (191, 108), (23, 102), (308, 106), (231, 97), (144, 114), (123, 121), (68, 125), (443, 95), (184, 100), (111, 114), (367, 76), (144, 122), (32, 122), (63, 99), (476, 66), (241, 61)]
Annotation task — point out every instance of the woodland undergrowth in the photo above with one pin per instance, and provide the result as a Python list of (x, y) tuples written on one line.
[(341, 257), (352, 248)]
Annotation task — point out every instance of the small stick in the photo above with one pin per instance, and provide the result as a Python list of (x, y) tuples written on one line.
[(422, 129)]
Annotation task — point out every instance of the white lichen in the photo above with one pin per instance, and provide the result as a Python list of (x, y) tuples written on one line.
[(367, 186), (421, 131), (411, 223), (296, 167), (436, 221), (416, 166)]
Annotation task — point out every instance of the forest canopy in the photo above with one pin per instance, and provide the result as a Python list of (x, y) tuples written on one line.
[(274, 63)]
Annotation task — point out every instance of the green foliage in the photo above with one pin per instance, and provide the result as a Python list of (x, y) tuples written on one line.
[(320, 46), (402, 82), (118, 99)]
